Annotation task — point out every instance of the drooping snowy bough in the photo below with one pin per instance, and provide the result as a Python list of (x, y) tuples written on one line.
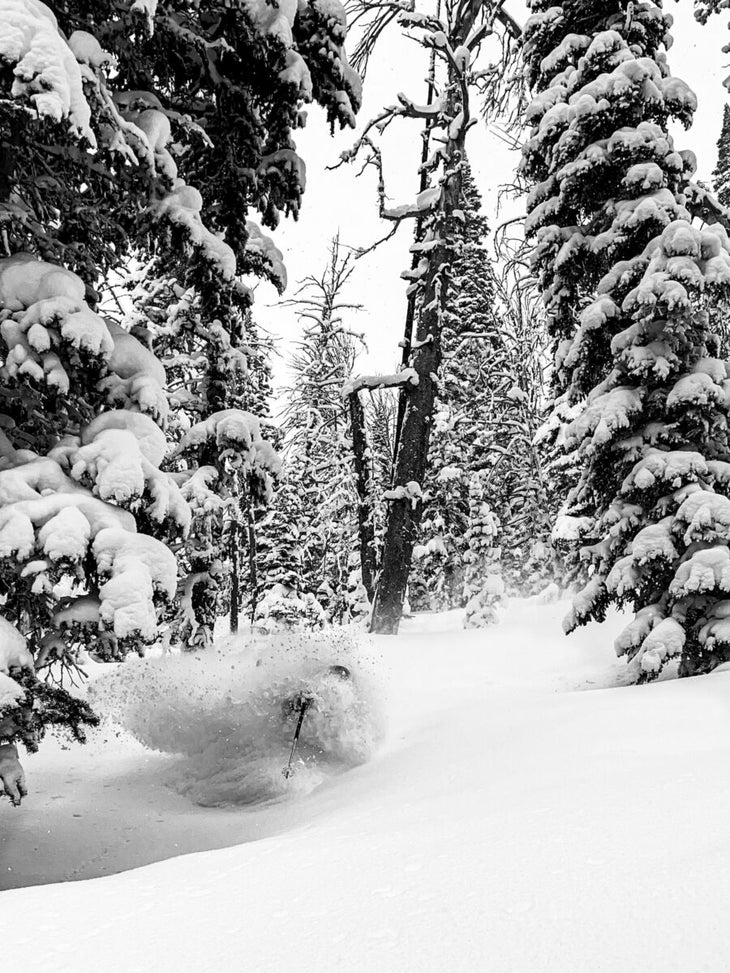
[(629, 282), (77, 484)]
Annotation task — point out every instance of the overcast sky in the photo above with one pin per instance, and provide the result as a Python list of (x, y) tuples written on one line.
[(338, 200)]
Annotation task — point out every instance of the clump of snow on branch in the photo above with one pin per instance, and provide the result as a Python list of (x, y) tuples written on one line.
[(77, 504), (47, 73)]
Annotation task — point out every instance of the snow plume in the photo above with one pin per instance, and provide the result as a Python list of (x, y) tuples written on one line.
[(225, 714)]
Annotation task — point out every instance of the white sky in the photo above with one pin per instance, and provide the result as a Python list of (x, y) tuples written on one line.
[(340, 201)]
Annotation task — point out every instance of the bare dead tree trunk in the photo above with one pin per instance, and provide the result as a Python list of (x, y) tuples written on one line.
[(417, 234), (410, 466), (365, 521)]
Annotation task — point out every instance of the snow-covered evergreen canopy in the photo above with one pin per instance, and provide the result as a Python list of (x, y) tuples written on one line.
[(611, 214)]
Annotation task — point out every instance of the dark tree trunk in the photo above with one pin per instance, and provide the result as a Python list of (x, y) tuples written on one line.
[(235, 575), (404, 514), (410, 466), (417, 235), (253, 574), (365, 524)]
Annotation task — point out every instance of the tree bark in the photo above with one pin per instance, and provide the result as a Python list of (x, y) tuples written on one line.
[(235, 576), (365, 524), (417, 235), (252, 564), (410, 466)]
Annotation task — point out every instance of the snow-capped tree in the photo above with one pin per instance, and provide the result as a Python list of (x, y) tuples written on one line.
[(522, 484), (284, 597), (628, 282), (381, 417), (110, 153), (321, 502), (456, 39), (212, 369), (721, 175), (464, 388), (483, 585), (490, 404), (362, 459)]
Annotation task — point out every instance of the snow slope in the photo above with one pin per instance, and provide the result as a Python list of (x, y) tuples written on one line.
[(510, 821)]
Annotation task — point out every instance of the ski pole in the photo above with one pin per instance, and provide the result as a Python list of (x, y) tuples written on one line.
[(288, 769)]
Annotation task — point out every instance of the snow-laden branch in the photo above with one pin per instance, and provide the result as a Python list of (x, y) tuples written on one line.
[(401, 379)]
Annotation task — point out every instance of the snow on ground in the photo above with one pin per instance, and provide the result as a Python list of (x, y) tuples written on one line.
[(508, 821)]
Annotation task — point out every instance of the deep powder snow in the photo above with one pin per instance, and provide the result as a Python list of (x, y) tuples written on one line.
[(508, 821)]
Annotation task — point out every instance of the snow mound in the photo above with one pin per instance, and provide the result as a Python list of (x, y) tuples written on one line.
[(224, 713)]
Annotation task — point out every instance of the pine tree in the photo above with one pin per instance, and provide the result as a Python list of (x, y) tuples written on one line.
[(464, 393), (381, 410), (245, 516), (721, 175), (155, 159), (211, 370), (519, 485), (483, 584), (628, 282), (488, 410), (453, 36), (321, 499), (285, 599)]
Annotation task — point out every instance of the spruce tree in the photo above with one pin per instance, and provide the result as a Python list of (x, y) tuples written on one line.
[(152, 158), (721, 175), (489, 407), (483, 584), (628, 282), (321, 499), (462, 409), (284, 598)]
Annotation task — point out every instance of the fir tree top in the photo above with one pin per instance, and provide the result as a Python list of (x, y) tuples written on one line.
[(721, 175)]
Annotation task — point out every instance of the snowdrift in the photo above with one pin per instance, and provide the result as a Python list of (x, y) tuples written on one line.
[(521, 815)]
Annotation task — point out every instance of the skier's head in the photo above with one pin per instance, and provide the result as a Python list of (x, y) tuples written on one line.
[(342, 672)]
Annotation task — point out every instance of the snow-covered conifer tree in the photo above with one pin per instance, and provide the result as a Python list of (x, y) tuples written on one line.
[(89, 515), (489, 406), (285, 598), (455, 36), (212, 370), (86, 514), (381, 415), (520, 485), (628, 282), (721, 175), (463, 403), (317, 450), (483, 584)]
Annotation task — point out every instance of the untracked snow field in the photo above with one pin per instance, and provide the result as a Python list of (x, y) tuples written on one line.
[(490, 800)]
